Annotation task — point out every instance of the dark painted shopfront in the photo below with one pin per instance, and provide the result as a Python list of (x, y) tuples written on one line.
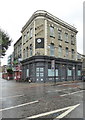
[(50, 69)]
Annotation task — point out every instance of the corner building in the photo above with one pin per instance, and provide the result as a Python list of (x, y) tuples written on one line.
[(49, 50)]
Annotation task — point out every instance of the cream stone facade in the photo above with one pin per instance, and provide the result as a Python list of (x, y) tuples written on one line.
[(49, 51), (44, 25)]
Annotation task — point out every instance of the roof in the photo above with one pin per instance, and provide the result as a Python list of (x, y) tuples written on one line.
[(18, 40), (49, 16)]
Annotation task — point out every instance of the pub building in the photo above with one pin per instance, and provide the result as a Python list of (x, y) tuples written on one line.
[(49, 51)]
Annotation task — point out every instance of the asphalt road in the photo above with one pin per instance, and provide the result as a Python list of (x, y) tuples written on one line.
[(27, 101)]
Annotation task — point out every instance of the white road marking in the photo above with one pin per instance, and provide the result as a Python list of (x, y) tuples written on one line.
[(68, 111), (62, 84), (67, 84), (71, 93), (62, 90), (11, 96), (55, 111), (19, 105)]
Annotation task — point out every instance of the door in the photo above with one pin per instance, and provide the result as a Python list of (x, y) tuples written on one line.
[(63, 73), (40, 74)]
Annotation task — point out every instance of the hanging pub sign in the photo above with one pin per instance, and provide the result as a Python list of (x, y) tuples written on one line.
[(39, 43)]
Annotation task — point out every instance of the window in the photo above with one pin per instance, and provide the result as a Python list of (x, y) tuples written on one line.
[(59, 35), (24, 53), (42, 69), (41, 74), (52, 49), (51, 31), (37, 74), (72, 53), (79, 72), (60, 51), (27, 52), (56, 72), (27, 35), (66, 52), (66, 37), (31, 50), (50, 72), (37, 69), (20, 47), (69, 72), (31, 33), (27, 72), (72, 39)]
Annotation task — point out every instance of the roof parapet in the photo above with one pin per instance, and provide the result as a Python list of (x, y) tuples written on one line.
[(49, 16)]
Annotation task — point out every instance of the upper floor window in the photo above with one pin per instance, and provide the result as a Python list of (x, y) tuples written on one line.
[(59, 35), (72, 40), (52, 49), (52, 31), (20, 47), (31, 50), (60, 51), (31, 33), (66, 37), (72, 53), (27, 52), (67, 52), (24, 40), (24, 53), (27, 35)]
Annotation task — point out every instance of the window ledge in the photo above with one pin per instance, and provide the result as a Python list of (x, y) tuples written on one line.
[(66, 41), (59, 39), (52, 36)]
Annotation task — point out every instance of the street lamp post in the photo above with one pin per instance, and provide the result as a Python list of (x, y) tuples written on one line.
[(73, 72)]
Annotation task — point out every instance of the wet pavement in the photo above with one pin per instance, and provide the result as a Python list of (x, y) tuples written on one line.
[(22, 100)]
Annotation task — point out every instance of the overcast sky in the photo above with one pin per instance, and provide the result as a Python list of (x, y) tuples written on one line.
[(15, 13)]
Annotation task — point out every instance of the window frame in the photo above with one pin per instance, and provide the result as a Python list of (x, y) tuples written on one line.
[(59, 34), (52, 33), (52, 49)]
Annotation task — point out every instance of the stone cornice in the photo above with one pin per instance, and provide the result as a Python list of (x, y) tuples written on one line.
[(51, 17)]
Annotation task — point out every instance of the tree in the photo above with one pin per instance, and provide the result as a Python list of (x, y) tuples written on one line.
[(9, 70), (5, 42)]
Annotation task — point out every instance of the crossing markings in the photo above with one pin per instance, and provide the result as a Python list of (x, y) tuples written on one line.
[(19, 105), (69, 109), (71, 93)]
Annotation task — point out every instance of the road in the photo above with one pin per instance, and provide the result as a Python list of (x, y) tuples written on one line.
[(27, 101)]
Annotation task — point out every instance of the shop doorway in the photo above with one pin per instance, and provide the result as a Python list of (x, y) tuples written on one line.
[(40, 74)]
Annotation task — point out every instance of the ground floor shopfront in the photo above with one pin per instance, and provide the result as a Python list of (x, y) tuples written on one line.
[(50, 69)]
